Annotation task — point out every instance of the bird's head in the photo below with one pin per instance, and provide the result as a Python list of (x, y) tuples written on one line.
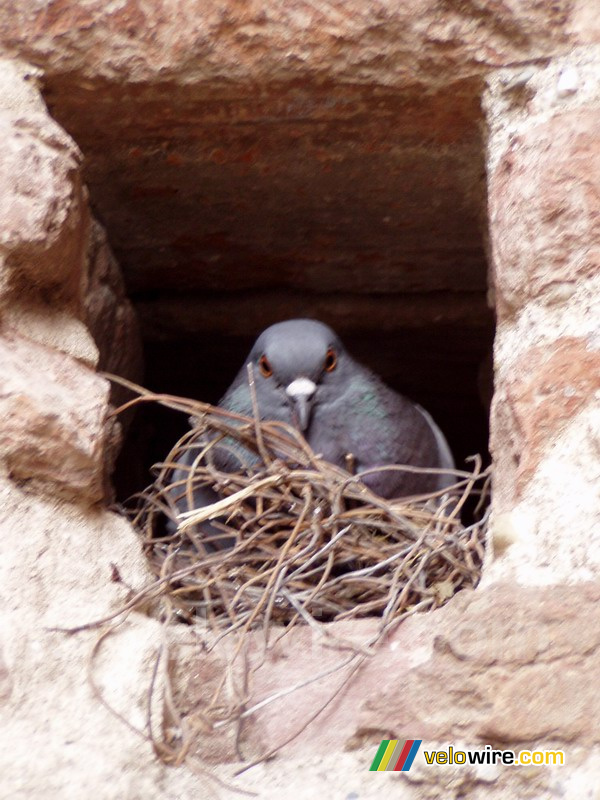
[(297, 363)]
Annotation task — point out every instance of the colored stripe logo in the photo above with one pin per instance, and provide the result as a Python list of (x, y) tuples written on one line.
[(395, 755)]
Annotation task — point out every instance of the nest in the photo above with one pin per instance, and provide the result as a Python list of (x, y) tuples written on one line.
[(294, 538), (290, 539)]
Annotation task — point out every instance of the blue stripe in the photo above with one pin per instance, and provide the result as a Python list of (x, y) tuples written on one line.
[(411, 755)]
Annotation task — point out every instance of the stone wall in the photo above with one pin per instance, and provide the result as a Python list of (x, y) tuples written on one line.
[(514, 87), (63, 313), (544, 173)]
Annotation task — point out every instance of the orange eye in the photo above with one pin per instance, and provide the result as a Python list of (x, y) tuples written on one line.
[(330, 360), (265, 367)]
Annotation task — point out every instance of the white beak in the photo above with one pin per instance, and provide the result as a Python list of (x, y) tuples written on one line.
[(301, 392)]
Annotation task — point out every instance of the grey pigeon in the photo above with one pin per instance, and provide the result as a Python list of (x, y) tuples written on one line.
[(304, 377)]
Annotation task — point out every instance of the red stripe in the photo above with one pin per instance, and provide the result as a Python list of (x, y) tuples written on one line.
[(403, 755)]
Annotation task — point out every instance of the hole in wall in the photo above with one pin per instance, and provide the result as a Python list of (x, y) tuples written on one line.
[(233, 207)]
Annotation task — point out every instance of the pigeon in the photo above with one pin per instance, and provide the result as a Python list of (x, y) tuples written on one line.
[(303, 376)]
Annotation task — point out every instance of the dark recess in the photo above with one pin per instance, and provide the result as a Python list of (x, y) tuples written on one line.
[(409, 361), (230, 207)]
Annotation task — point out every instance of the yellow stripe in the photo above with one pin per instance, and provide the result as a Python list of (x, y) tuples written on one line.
[(387, 755)]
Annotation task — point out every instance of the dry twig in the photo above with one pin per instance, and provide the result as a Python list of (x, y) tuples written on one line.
[(310, 544)]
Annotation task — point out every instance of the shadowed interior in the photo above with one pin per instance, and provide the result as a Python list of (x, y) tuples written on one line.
[(232, 207)]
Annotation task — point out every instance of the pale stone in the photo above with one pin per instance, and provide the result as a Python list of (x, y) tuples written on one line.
[(547, 358), (568, 82), (170, 100), (19, 87), (557, 520), (56, 329), (43, 215), (54, 429), (58, 740)]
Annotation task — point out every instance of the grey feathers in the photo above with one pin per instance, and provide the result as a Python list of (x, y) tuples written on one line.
[(304, 377)]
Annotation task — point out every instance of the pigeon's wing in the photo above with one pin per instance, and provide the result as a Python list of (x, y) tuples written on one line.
[(446, 459), (227, 454), (384, 428), (188, 491)]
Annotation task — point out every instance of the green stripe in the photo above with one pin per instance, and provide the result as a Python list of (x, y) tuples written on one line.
[(379, 755)]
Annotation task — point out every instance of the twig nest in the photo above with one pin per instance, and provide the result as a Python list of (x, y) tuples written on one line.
[(293, 538)]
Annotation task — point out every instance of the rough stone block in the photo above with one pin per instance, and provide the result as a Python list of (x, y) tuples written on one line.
[(54, 429)]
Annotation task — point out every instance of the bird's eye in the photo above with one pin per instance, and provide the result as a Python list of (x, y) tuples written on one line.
[(265, 366), (330, 360)]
